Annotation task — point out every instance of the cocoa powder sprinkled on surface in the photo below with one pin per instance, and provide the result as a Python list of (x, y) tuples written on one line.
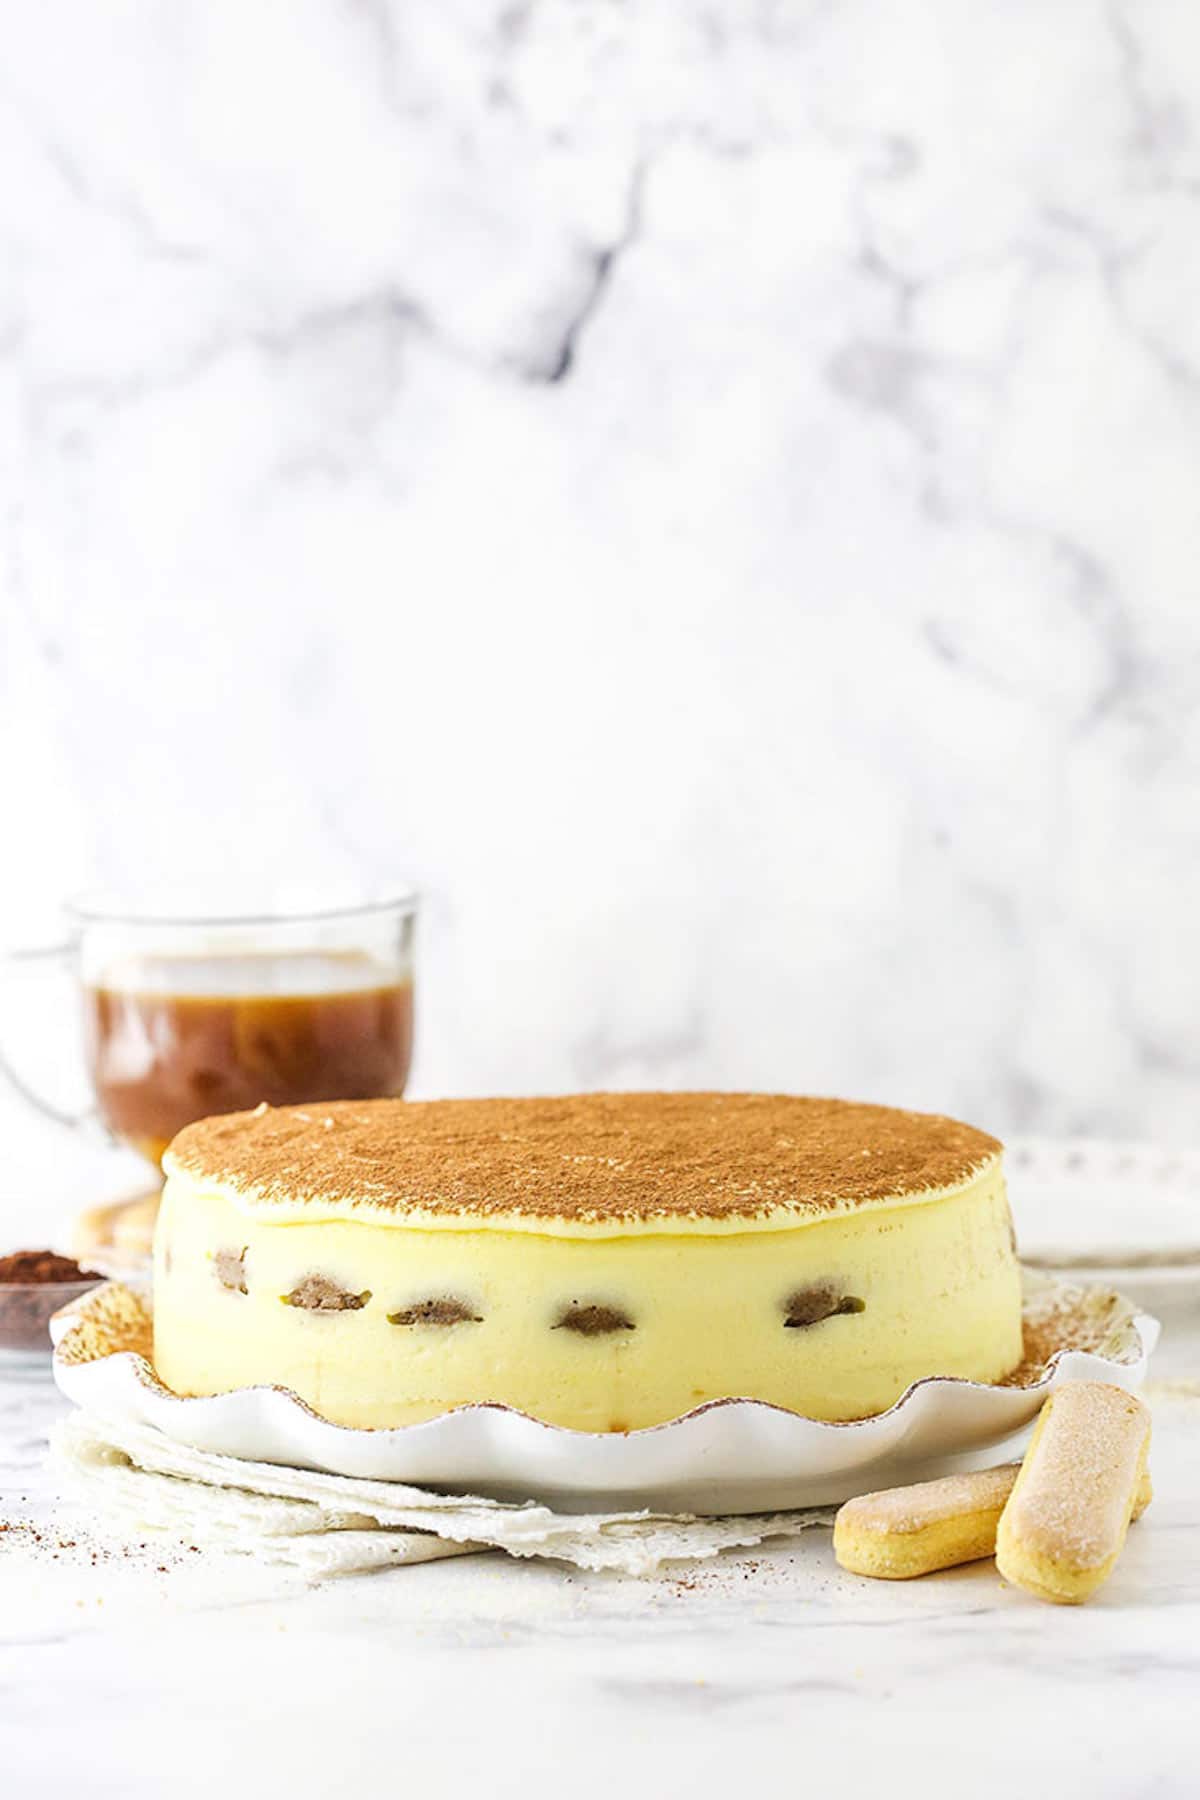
[(24, 1536), (587, 1157), (113, 1319), (1068, 1320)]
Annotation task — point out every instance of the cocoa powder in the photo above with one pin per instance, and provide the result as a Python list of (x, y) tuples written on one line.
[(30, 1290), (586, 1158)]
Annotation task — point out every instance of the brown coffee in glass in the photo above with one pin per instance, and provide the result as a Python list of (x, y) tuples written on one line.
[(189, 1016)]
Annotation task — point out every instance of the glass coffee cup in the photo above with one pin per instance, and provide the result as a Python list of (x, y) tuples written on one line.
[(189, 1014)]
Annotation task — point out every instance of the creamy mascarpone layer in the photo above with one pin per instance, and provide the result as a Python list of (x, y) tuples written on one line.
[(597, 1332)]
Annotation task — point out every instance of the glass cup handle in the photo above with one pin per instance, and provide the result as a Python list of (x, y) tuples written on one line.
[(85, 1119)]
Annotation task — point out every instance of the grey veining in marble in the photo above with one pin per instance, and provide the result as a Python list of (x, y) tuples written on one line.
[(709, 490), (157, 1672)]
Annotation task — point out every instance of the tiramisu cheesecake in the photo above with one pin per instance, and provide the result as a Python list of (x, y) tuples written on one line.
[(601, 1261)]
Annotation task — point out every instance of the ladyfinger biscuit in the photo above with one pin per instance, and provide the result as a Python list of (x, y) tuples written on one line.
[(1065, 1521), (903, 1532), (910, 1531)]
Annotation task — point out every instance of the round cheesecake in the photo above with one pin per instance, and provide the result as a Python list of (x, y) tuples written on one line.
[(600, 1261)]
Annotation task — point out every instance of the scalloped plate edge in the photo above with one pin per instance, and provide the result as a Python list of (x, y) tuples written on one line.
[(726, 1455)]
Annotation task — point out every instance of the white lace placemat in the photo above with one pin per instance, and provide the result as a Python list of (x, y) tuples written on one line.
[(129, 1481)]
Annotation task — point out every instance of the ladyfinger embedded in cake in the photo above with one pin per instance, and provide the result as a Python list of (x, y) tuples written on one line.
[(1064, 1524)]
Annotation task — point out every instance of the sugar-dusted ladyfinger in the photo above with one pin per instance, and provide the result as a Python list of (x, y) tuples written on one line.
[(902, 1532), (909, 1531), (1065, 1521)]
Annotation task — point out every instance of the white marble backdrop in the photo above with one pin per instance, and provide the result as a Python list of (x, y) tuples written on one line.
[(712, 491)]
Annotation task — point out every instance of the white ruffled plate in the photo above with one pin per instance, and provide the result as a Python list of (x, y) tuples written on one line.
[(728, 1456)]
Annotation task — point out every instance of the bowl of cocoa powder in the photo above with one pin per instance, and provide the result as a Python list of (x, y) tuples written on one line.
[(33, 1285)]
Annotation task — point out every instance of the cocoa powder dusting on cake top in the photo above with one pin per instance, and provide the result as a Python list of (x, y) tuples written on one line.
[(594, 1158)]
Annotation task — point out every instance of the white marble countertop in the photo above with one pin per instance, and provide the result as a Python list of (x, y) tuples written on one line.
[(707, 491), (154, 1674)]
